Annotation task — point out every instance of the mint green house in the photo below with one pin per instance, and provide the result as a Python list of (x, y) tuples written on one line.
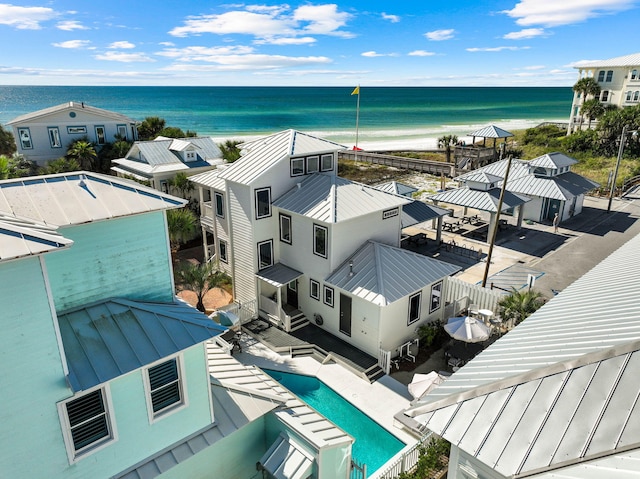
[(105, 373)]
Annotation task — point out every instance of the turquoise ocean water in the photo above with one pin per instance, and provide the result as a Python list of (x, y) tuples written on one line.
[(385, 113)]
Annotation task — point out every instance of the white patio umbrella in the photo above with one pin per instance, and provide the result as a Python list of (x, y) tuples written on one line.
[(467, 329), (421, 384)]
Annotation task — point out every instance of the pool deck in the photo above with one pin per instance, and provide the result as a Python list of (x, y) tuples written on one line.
[(379, 400)]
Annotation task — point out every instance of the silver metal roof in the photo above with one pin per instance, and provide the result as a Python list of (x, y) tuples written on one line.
[(491, 131), (553, 160), (209, 179), (396, 188), (418, 212), (278, 275), (286, 459), (261, 154), (632, 60), (498, 169), (480, 177), (71, 106), (167, 152), (20, 237), (107, 339), (561, 187), (79, 197), (383, 274), (331, 199), (479, 199)]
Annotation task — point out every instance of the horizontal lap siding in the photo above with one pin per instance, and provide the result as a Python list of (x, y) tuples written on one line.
[(125, 257), (243, 246)]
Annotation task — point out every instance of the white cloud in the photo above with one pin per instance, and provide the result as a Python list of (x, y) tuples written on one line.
[(496, 49), (167, 44), (391, 18), (123, 45), (535, 67), (525, 33), (248, 62), (70, 25), (287, 41), (421, 53), (372, 54), (25, 18), (197, 53), (72, 44), (439, 35), (124, 57), (552, 13), (322, 19)]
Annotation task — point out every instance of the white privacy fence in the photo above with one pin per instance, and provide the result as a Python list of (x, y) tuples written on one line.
[(459, 295)]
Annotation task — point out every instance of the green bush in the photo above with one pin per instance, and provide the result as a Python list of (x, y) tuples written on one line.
[(431, 459)]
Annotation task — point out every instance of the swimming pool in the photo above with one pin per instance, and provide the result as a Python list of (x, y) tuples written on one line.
[(374, 444)]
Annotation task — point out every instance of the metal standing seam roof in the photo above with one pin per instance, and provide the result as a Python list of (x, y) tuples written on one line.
[(561, 187), (383, 274), (79, 197), (632, 60), (110, 338), (480, 177), (498, 169), (162, 152), (71, 105), (418, 212), (20, 237), (478, 199), (331, 199), (278, 275), (396, 188), (261, 154), (552, 160), (491, 131), (209, 179)]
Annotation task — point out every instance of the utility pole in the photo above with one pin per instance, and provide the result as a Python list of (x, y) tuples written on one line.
[(623, 138)]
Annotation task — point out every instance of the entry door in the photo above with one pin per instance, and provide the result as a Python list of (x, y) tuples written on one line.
[(554, 207), (292, 293), (345, 314)]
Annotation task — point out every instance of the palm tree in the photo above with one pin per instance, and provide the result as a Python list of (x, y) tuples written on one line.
[(84, 153), (7, 142), (182, 224), (150, 127), (592, 109), (181, 183), (519, 305), (199, 278), (230, 151), (60, 165), (585, 87), (446, 142)]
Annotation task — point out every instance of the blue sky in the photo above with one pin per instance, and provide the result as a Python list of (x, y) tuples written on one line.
[(372, 43)]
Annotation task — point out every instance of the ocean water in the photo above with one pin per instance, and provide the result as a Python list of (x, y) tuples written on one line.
[(385, 114)]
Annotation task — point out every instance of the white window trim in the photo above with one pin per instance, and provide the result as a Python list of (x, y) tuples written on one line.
[(154, 417), (435, 287), (322, 159), (316, 160), (284, 240), (72, 455), (54, 133), (326, 241), (77, 130), (30, 139), (418, 295), (324, 295), (312, 283), (270, 243), (226, 251), (122, 131), (296, 160), (258, 190), (104, 134), (217, 195)]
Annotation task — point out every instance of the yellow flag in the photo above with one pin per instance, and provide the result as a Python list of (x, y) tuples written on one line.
[(356, 90)]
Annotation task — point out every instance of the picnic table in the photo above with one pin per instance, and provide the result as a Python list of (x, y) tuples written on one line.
[(418, 239), (471, 219), (451, 226)]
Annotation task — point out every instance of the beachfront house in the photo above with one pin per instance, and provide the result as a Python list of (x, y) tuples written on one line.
[(303, 244), (619, 80), (557, 397), (158, 161), (46, 134), (106, 373)]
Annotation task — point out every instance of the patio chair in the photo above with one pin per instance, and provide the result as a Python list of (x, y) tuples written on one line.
[(474, 310)]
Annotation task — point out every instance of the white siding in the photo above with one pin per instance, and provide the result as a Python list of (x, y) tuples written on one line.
[(242, 247)]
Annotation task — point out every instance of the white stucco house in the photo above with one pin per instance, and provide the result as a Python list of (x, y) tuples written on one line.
[(619, 80), (46, 134), (556, 397), (158, 161), (303, 244)]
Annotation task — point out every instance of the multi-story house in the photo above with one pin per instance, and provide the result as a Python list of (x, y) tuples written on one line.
[(46, 134), (619, 80), (106, 374), (305, 244)]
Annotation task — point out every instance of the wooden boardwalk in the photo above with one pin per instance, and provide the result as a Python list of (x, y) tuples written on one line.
[(415, 164)]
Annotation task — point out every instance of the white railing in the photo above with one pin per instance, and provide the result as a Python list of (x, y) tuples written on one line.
[(403, 461), (484, 298), (245, 311), (207, 209), (222, 344), (270, 307), (384, 360)]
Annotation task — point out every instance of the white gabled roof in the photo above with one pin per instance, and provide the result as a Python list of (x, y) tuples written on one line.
[(396, 188), (553, 160), (499, 169), (632, 60), (79, 197), (383, 274), (20, 237), (491, 131), (261, 154), (71, 106), (479, 177), (209, 179), (332, 199)]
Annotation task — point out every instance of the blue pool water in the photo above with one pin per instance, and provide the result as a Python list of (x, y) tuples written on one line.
[(374, 445)]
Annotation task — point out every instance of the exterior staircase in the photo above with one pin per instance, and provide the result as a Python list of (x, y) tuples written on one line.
[(298, 321)]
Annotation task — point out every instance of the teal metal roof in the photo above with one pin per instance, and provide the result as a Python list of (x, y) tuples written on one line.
[(108, 339)]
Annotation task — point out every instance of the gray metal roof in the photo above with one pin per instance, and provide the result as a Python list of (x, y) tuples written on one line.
[(479, 200), (71, 106), (396, 188), (79, 197), (209, 179), (331, 199), (383, 274), (278, 274), (553, 160), (479, 177), (20, 237), (632, 60), (491, 131), (498, 169), (261, 154), (418, 212), (162, 152), (107, 339), (561, 187)]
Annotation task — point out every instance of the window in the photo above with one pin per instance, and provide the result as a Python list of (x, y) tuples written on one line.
[(635, 95), (414, 307), (87, 422), (101, 138), (601, 76), (628, 98), (77, 130), (190, 156), (219, 204), (263, 203), (605, 95), (436, 295), (54, 137), (297, 166), (609, 75), (326, 163), (328, 296), (222, 251), (25, 138), (634, 74), (320, 240), (122, 131), (314, 289), (164, 387), (285, 228), (265, 254), (313, 164)]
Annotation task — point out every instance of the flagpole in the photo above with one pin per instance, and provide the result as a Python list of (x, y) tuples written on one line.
[(357, 91)]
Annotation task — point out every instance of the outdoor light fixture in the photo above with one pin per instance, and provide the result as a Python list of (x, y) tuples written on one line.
[(623, 139), (350, 268)]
